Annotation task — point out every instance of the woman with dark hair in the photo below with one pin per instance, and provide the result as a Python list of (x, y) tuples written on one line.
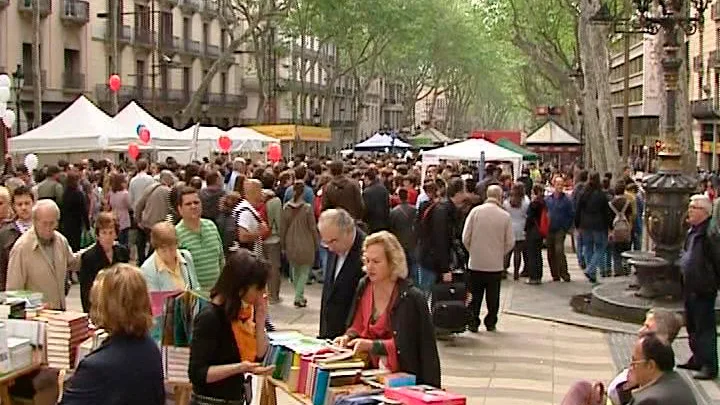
[(592, 219), (517, 206), (229, 338), (74, 211), (103, 254), (534, 240)]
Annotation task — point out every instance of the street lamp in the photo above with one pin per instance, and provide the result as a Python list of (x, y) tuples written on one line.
[(668, 190), (18, 83)]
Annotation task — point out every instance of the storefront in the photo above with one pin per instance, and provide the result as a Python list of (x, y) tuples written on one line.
[(296, 139)]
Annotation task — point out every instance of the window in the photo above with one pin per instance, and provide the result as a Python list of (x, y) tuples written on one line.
[(142, 17), (223, 83), (164, 79), (223, 40), (140, 75), (187, 82), (707, 132), (636, 96), (205, 35), (187, 30), (166, 28)]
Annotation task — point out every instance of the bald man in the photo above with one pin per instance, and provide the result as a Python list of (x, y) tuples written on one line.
[(250, 226)]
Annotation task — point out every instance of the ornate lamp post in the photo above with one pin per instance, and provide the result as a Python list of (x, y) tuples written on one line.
[(669, 189)]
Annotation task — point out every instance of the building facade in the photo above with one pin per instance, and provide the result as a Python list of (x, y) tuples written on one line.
[(431, 110), (644, 93)]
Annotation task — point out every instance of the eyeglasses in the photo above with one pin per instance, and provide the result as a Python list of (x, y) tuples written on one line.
[(633, 363)]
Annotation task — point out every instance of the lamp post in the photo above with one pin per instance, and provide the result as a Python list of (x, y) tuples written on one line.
[(18, 83), (578, 77), (668, 190)]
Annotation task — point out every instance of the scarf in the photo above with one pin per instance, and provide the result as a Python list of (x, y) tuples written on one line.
[(244, 330)]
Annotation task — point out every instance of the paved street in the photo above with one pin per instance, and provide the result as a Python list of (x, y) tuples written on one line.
[(537, 353)]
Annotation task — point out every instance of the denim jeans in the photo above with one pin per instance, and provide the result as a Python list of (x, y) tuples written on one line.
[(580, 250), (595, 247), (426, 279)]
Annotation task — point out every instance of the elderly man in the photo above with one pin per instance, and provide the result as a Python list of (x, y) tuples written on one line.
[(237, 172), (700, 265), (250, 227), (342, 272), (42, 257), (488, 237), (651, 370)]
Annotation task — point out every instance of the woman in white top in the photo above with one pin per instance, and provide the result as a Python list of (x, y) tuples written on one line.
[(517, 205)]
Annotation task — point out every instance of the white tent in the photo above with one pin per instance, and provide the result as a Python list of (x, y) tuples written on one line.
[(380, 141), (471, 150), (551, 133), (161, 135), (76, 129), (243, 139)]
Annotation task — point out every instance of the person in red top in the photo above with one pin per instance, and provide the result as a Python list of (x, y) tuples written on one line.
[(408, 183), (391, 323)]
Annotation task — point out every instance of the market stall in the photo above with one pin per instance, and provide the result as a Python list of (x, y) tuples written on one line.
[(554, 144), (382, 142), (528, 156), (474, 150)]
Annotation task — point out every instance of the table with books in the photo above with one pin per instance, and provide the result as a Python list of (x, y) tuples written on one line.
[(314, 372)]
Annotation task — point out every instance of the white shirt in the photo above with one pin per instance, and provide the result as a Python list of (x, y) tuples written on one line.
[(247, 217), (341, 257), (612, 388)]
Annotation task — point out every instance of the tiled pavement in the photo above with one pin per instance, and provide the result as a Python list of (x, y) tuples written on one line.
[(530, 360)]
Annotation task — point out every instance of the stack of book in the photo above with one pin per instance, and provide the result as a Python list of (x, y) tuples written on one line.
[(65, 332), (12, 308), (21, 353), (176, 361), (32, 299)]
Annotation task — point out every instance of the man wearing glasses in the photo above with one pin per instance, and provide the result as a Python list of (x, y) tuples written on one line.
[(651, 370), (700, 265)]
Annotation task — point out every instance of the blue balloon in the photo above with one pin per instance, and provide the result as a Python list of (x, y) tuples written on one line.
[(139, 127)]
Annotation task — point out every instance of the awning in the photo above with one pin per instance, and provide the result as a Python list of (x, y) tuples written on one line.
[(295, 132), (526, 154)]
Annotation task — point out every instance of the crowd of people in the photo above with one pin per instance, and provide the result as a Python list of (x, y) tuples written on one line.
[(377, 239)]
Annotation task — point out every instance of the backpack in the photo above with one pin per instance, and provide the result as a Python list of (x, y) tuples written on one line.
[(621, 228), (544, 223)]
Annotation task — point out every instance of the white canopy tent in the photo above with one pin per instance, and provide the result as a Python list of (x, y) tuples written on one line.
[(161, 135), (244, 140), (380, 141), (78, 128), (471, 150)]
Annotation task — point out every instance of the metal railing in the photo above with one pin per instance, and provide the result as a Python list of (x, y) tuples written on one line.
[(212, 51), (77, 11), (210, 7), (30, 78), (74, 81), (26, 6), (192, 47), (143, 36)]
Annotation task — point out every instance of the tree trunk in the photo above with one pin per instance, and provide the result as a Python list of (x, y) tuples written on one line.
[(37, 69)]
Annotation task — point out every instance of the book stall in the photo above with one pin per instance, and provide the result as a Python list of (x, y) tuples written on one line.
[(34, 339), (314, 372)]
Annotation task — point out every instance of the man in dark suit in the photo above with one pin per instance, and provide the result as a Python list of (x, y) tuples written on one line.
[(651, 370), (344, 241), (377, 202)]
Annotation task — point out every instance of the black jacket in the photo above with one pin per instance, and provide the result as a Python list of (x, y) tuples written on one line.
[(592, 212), (338, 292), (91, 262), (438, 235), (413, 330), (210, 198), (377, 207), (123, 371), (9, 234), (213, 344), (402, 225), (700, 262)]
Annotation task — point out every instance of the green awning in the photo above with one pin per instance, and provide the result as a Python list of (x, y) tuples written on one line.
[(510, 145)]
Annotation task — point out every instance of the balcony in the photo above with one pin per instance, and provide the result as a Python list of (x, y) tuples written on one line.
[(211, 51), (209, 9), (25, 7), (4, 3), (192, 47), (190, 6), (30, 79), (73, 81), (170, 44), (171, 3), (126, 93), (75, 12), (144, 37)]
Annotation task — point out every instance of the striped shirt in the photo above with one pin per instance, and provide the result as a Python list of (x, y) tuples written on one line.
[(206, 249)]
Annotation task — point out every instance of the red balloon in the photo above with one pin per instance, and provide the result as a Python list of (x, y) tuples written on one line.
[(144, 135), (274, 152), (225, 143), (114, 83), (133, 150)]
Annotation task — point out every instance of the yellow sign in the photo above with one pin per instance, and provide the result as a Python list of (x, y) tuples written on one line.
[(295, 132), (707, 147)]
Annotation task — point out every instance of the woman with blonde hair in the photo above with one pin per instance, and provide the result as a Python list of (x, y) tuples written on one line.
[(390, 318), (127, 367), (168, 268)]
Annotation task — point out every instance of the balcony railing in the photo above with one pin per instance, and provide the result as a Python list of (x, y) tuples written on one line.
[(210, 8), (75, 11), (143, 36), (190, 6), (192, 47), (171, 3), (212, 51), (73, 81), (170, 43), (26, 7), (30, 78)]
